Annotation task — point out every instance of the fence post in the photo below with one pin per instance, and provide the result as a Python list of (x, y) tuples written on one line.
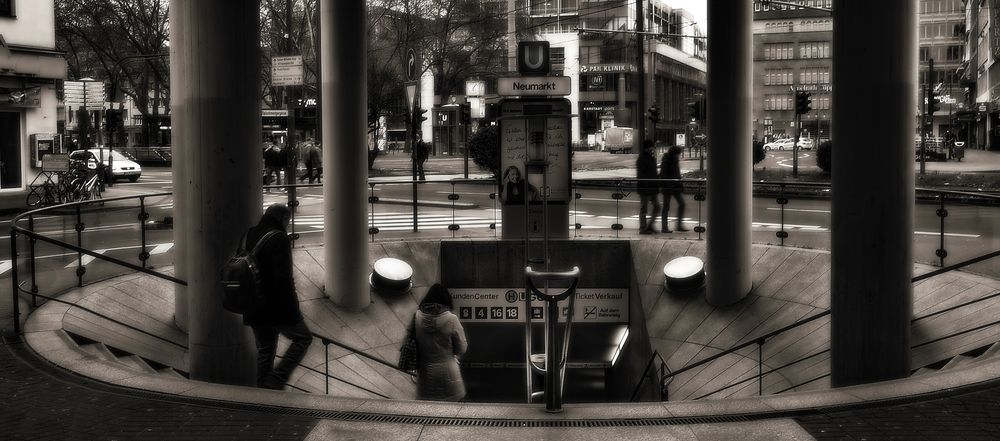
[(942, 213), (782, 201), (760, 367), (700, 197), (293, 207), (80, 270), (16, 309), (143, 217), (31, 262), (372, 199), (326, 361)]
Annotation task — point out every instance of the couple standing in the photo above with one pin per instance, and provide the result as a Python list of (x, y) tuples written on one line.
[(670, 168)]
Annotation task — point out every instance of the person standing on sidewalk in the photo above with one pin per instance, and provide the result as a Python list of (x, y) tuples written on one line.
[(279, 313), (670, 168), (648, 189)]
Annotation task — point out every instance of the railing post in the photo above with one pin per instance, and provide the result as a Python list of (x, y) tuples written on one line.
[(618, 195), (31, 262), (414, 202), (782, 201), (143, 217), (576, 211), (293, 205), (16, 309), (372, 199), (700, 197), (326, 361), (760, 367), (453, 197), (80, 270), (942, 213)]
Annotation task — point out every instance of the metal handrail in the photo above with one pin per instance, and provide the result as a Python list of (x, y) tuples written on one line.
[(645, 373), (327, 340)]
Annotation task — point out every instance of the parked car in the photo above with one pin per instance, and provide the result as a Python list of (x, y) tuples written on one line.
[(779, 144), (121, 166), (806, 144)]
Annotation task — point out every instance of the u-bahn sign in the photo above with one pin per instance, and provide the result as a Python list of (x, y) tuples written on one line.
[(533, 58)]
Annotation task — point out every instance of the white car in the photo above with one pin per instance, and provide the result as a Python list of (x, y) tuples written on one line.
[(779, 144), (121, 166), (806, 144)]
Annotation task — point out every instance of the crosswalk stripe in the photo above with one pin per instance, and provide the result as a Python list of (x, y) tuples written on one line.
[(161, 248), (5, 265), (86, 259)]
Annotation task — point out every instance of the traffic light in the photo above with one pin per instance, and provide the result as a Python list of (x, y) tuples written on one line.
[(653, 114), (419, 116), (696, 110), (466, 110), (803, 102), (933, 102)]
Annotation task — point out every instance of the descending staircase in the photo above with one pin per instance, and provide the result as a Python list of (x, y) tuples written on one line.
[(961, 360), (130, 361)]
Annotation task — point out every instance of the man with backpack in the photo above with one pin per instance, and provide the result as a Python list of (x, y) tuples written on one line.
[(277, 311)]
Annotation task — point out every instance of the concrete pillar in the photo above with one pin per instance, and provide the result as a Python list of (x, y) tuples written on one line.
[(872, 220), (215, 58), (178, 39), (729, 169), (344, 86)]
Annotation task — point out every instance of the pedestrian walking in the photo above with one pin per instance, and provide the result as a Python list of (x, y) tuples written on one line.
[(272, 165), (647, 187), (422, 152), (314, 164), (279, 312), (670, 168), (440, 342)]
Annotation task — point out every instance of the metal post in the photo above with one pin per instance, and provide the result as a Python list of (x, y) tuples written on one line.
[(942, 213), (293, 205), (291, 167), (31, 262), (782, 200), (16, 310), (143, 254), (923, 134), (553, 396), (640, 99), (795, 143), (326, 361), (79, 243), (760, 367)]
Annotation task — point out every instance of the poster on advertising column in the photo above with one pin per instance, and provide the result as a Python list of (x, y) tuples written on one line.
[(506, 305)]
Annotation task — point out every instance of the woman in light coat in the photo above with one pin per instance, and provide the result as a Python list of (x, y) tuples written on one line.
[(440, 341)]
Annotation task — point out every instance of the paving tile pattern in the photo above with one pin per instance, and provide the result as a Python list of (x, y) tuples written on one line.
[(41, 403), (969, 416)]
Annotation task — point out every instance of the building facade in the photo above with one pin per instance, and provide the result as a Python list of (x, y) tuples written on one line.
[(29, 69), (942, 39), (980, 75), (792, 52)]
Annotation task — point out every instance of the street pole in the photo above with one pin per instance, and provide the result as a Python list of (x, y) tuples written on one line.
[(641, 91), (292, 156), (923, 133), (795, 142)]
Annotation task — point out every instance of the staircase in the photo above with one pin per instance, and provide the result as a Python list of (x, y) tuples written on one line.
[(124, 359), (959, 361)]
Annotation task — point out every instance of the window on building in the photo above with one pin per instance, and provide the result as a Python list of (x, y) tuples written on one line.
[(814, 49), (777, 102), (814, 75), (925, 54), (955, 53), (779, 51), (6, 8), (777, 77), (590, 54), (558, 57)]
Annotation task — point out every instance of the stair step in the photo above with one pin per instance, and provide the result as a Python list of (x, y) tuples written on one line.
[(100, 351), (170, 372), (958, 361), (993, 350), (924, 371), (137, 363)]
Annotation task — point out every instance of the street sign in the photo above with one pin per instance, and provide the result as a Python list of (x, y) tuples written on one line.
[(274, 113), (411, 93), (287, 71), (534, 86), (475, 88), (412, 67), (533, 58)]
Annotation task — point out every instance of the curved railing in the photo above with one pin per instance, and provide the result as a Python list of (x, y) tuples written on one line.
[(449, 211)]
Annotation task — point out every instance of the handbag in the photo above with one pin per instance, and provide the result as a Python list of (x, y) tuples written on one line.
[(408, 353)]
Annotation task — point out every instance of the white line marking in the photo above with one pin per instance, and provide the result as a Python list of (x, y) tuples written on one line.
[(5, 265), (800, 209), (930, 233), (161, 248), (86, 259)]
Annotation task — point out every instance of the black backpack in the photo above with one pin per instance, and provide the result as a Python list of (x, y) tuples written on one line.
[(240, 278)]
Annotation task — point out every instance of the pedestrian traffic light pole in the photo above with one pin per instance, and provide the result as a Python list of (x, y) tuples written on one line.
[(931, 105), (291, 157), (640, 122), (802, 106)]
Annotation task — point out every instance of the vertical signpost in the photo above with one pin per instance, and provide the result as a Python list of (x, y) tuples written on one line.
[(412, 68), (288, 72)]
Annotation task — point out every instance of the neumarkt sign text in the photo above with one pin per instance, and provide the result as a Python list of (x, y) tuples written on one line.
[(534, 86)]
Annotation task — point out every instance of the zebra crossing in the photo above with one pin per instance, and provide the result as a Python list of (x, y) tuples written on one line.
[(404, 221), (6, 265)]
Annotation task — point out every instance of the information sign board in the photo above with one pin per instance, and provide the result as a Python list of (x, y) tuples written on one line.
[(506, 305), (287, 71), (534, 86)]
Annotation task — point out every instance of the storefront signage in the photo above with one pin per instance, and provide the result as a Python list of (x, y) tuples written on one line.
[(506, 305), (811, 88), (593, 108), (534, 86), (607, 68), (274, 113)]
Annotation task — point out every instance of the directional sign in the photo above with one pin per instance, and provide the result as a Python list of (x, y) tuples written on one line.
[(534, 86), (287, 71)]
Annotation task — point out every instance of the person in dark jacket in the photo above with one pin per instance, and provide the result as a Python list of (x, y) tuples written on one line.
[(670, 168), (645, 167), (314, 164), (279, 314), (272, 165), (440, 341)]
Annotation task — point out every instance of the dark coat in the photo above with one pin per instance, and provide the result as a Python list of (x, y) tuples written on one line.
[(670, 168), (645, 167), (281, 305)]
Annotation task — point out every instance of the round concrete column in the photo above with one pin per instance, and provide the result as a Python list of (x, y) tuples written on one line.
[(729, 136), (872, 221), (343, 37), (215, 99), (178, 38)]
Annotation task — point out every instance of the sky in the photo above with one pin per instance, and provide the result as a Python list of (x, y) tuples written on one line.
[(697, 8)]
